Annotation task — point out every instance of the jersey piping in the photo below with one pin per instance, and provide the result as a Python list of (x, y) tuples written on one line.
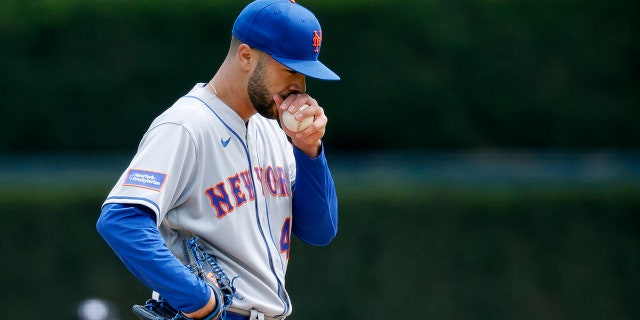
[(262, 233)]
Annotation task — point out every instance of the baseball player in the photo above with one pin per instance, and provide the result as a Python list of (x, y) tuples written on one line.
[(216, 165)]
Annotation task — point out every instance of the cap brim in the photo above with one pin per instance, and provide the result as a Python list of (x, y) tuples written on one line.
[(313, 69)]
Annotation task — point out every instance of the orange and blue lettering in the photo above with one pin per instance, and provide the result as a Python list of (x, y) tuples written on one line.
[(271, 181), (219, 199), (284, 184), (234, 181), (285, 237), (248, 184)]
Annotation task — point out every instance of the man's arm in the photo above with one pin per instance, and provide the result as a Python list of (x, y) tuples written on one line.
[(130, 230), (315, 204)]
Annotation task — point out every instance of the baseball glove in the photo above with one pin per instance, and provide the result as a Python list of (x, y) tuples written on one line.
[(205, 267)]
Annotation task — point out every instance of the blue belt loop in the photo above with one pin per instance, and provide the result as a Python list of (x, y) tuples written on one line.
[(233, 316)]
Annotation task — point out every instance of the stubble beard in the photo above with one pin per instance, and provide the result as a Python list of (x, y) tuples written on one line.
[(259, 94)]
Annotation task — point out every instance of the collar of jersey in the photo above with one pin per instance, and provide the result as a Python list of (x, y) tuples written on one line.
[(222, 110)]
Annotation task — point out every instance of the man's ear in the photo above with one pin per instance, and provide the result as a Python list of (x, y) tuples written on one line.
[(246, 56)]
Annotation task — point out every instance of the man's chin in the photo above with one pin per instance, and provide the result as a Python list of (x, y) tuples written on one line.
[(269, 114)]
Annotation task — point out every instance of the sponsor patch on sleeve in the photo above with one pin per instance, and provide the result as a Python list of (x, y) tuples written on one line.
[(145, 179)]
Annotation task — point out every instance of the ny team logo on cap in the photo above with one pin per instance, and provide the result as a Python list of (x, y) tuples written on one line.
[(317, 39)]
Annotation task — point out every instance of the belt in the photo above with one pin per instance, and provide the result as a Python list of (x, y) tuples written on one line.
[(255, 315), (230, 315), (234, 316)]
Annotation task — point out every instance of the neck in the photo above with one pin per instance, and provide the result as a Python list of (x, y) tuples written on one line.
[(212, 88), (233, 95)]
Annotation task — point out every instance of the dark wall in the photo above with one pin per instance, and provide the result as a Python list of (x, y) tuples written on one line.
[(81, 76), (401, 252)]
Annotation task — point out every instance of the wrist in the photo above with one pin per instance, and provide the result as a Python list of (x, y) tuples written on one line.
[(311, 151), (209, 311)]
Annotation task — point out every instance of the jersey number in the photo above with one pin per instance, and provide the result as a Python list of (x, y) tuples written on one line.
[(285, 237)]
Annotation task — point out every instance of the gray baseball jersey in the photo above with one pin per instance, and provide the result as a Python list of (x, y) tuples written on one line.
[(204, 172)]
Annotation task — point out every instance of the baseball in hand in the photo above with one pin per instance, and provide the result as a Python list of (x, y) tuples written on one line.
[(294, 125)]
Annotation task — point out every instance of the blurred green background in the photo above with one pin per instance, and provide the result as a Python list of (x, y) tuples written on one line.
[(492, 172)]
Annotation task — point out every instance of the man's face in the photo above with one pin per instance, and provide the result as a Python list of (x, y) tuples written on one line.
[(269, 78)]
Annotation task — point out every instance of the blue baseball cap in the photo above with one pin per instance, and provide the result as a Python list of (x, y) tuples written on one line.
[(288, 32)]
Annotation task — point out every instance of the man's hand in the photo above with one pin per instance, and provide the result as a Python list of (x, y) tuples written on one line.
[(308, 140)]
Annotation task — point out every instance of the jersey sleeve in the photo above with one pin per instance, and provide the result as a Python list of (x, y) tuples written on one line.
[(160, 172), (315, 204), (131, 232)]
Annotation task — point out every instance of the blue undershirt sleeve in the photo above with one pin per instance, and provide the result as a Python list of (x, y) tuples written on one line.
[(131, 232), (315, 204)]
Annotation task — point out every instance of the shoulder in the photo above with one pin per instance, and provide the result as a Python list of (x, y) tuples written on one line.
[(195, 115), (185, 111)]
